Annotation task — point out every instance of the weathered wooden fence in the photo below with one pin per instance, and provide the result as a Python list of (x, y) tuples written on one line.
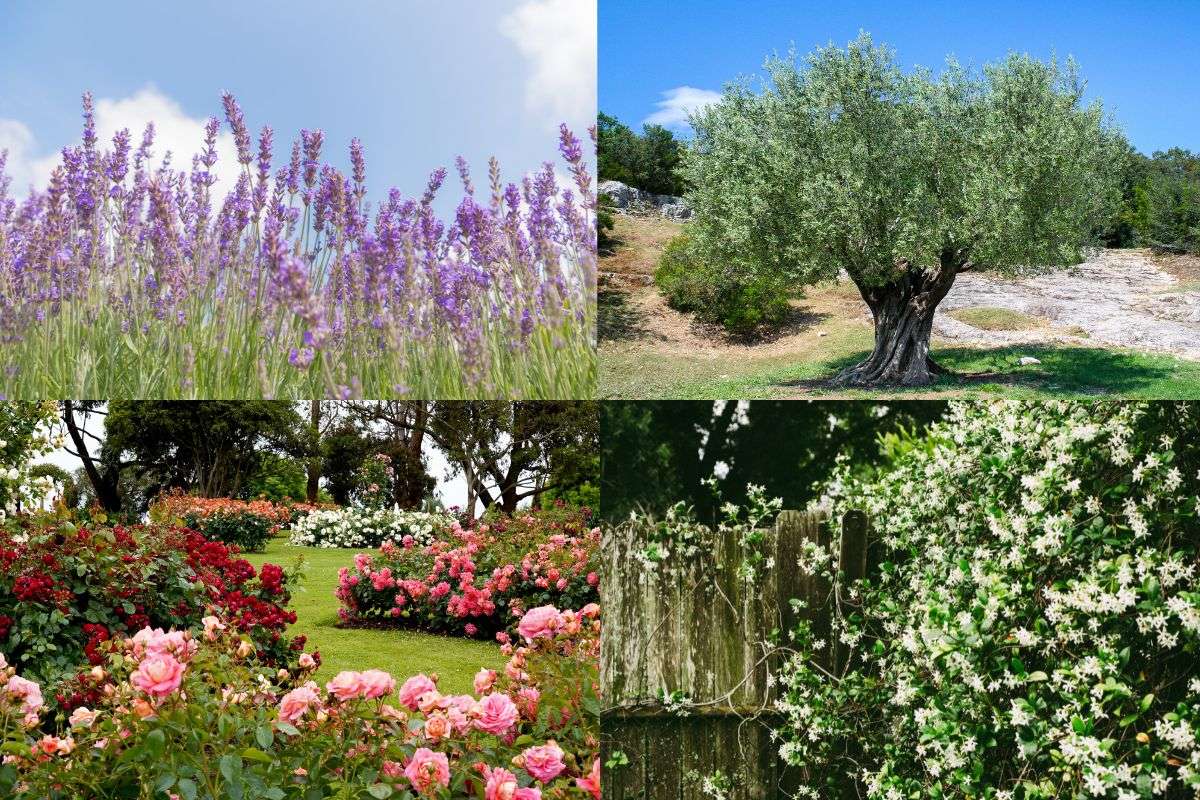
[(692, 625)]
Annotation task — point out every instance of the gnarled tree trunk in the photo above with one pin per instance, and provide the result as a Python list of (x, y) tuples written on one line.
[(903, 312)]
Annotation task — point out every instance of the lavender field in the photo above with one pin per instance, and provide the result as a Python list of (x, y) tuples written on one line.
[(124, 280)]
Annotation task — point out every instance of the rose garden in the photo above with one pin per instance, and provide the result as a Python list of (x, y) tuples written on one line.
[(251, 647)]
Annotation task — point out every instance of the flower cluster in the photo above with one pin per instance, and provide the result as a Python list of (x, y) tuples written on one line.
[(24, 435), (371, 527), (1033, 630), (288, 282), (177, 506), (476, 581), (194, 715), (66, 592)]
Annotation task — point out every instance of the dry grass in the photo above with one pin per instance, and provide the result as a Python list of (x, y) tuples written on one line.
[(988, 318), (1186, 269), (639, 243)]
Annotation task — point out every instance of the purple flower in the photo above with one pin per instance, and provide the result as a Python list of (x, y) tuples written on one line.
[(237, 123)]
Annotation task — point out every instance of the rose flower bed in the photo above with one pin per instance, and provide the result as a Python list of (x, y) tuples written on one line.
[(247, 524), (476, 581), (194, 717), (66, 591)]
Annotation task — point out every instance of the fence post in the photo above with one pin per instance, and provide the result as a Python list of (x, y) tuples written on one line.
[(852, 563)]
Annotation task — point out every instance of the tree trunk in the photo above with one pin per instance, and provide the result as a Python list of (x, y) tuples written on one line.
[(104, 485), (313, 465), (903, 313)]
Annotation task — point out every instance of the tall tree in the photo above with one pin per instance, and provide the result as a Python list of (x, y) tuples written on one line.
[(208, 447), (506, 452), (904, 180)]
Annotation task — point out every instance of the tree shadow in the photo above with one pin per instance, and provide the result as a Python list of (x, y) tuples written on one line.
[(795, 320), (618, 320), (1075, 370)]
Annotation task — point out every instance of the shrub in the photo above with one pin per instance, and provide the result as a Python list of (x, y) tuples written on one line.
[(476, 581), (740, 302), (352, 527), (1034, 629), (65, 591), (247, 530), (193, 717)]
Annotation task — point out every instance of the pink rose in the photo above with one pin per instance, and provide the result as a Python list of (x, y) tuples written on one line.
[(495, 713), (437, 727), (376, 683), (593, 579), (346, 685), (82, 717), (484, 680), (528, 697), (28, 692), (540, 621), (158, 675), (502, 785), (296, 702), (427, 769), (413, 688), (545, 762), (591, 781), (306, 661)]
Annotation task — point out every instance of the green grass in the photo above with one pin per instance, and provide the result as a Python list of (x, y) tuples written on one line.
[(82, 354), (400, 652), (1065, 372), (988, 318)]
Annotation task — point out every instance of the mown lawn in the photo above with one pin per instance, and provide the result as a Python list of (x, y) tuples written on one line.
[(400, 652)]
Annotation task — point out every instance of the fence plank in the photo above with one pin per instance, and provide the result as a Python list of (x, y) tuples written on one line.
[(695, 625)]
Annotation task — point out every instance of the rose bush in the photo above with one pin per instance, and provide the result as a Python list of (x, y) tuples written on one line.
[(370, 527), (1034, 630), (65, 591), (193, 717), (476, 581)]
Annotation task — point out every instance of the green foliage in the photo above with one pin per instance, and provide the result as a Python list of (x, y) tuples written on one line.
[(277, 478), (22, 438), (742, 302), (344, 450), (656, 453), (1161, 204), (247, 530), (848, 162), (648, 161), (604, 225)]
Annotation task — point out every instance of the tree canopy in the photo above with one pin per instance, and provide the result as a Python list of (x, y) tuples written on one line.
[(647, 161), (902, 179)]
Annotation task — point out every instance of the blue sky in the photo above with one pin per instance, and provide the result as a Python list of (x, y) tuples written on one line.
[(418, 81), (1141, 57)]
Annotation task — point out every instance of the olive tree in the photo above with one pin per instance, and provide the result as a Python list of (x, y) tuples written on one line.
[(902, 179)]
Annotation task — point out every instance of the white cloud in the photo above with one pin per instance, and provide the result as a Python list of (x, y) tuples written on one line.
[(678, 103), (558, 38), (23, 166), (175, 132)]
